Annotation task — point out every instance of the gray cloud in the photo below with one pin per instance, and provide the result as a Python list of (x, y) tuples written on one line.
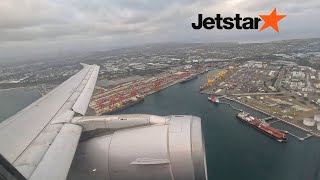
[(76, 24)]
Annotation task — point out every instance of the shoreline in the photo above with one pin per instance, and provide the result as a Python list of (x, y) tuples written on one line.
[(26, 87), (167, 86), (152, 92), (268, 114)]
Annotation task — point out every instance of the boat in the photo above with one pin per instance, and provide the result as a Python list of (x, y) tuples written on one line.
[(214, 100), (262, 127)]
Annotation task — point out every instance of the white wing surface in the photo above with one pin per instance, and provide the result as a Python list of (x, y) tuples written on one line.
[(38, 140)]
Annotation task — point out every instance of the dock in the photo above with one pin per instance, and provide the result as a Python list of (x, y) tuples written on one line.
[(274, 121), (108, 100), (299, 138), (234, 108), (268, 118), (271, 117)]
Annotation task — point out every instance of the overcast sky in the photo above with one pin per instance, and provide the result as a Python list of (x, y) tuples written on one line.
[(33, 27)]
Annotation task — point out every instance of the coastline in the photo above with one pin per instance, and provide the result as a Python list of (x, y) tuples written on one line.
[(27, 87), (268, 114), (166, 86), (152, 92)]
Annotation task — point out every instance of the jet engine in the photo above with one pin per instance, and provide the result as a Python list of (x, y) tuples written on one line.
[(140, 147)]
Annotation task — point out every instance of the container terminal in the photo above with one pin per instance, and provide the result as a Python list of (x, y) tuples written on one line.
[(108, 100), (286, 93), (215, 78)]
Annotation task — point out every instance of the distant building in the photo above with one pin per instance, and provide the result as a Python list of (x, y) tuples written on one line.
[(317, 118), (298, 75), (272, 73), (283, 55), (308, 121), (317, 85), (287, 63), (307, 89), (187, 67), (254, 64), (312, 121), (272, 88), (138, 66)]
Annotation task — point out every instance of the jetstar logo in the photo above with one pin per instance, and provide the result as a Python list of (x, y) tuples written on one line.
[(239, 22)]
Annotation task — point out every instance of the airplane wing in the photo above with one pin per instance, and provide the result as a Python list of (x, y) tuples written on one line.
[(42, 141), (39, 141)]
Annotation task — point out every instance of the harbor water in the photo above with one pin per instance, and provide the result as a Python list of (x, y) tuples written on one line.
[(13, 100), (234, 150)]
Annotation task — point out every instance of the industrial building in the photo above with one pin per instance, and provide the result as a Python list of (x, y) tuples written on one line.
[(312, 121)]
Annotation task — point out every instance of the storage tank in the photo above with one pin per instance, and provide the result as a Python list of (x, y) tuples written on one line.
[(308, 121)]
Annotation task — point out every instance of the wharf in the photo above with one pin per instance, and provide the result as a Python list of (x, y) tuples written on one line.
[(309, 132), (108, 101), (299, 138), (231, 106)]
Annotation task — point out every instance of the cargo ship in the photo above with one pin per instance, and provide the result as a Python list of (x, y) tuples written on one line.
[(262, 127), (214, 100)]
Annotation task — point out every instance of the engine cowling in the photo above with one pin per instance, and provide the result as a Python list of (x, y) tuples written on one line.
[(174, 150)]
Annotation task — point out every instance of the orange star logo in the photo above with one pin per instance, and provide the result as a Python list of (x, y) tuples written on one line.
[(271, 20)]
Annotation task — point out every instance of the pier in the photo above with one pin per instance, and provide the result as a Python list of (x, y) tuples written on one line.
[(118, 96), (268, 118), (271, 117), (299, 138), (234, 108), (274, 121)]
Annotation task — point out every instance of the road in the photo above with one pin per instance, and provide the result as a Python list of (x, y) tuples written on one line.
[(279, 79)]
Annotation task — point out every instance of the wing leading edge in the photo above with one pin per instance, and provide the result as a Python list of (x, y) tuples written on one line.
[(32, 139)]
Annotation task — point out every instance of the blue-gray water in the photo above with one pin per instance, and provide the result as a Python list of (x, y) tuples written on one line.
[(13, 100), (234, 150)]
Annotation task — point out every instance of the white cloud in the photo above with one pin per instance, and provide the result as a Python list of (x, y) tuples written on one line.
[(72, 24)]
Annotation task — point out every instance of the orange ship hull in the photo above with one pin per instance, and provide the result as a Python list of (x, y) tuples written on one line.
[(263, 127)]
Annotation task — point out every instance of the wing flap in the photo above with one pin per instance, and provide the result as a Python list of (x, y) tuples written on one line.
[(56, 162), (21, 131), (81, 105), (27, 136), (32, 156)]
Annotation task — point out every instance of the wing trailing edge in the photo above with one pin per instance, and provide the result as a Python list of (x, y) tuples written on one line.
[(37, 136), (82, 102), (56, 163)]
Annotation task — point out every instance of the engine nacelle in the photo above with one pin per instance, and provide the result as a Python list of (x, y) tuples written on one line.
[(173, 150)]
